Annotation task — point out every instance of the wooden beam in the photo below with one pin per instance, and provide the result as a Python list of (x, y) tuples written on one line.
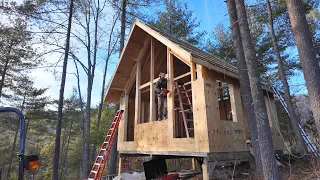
[(144, 85), (193, 71), (138, 94), (118, 89), (170, 96), (130, 58), (215, 68), (182, 76), (152, 92), (126, 113), (120, 165)]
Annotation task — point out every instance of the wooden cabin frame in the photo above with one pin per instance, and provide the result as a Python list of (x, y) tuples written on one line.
[(148, 52)]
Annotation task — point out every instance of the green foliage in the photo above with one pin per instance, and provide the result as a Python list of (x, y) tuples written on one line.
[(177, 20), (221, 43)]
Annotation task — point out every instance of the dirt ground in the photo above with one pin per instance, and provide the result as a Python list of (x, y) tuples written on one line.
[(293, 169)]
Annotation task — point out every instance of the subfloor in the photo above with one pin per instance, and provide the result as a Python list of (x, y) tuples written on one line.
[(297, 169)]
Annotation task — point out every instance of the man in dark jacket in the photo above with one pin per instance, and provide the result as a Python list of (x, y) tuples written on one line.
[(161, 89)]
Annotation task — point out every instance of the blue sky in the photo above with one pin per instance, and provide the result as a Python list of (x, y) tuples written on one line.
[(209, 12)]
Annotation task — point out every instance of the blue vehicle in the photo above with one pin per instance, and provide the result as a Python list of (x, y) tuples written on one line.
[(25, 162)]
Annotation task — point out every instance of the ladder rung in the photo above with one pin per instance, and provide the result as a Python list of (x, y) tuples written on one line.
[(100, 156), (94, 172), (97, 164)]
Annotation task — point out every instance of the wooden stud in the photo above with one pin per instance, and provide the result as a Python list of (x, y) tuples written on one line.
[(142, 112), (208, 168), (236, 105), (126, 113), (194, 164), (138, 94), (120, 165), (193, 71), (152, 91), (170, 97)]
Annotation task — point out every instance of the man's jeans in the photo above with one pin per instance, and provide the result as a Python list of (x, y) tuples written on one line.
[(162, 108)]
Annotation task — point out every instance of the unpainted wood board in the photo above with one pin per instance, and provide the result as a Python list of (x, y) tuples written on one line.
[(170, 96), (152, 136), (200, 116), (152, 107)]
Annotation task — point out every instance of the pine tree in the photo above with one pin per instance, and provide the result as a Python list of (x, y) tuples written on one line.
[(17, 55), (177, 20)]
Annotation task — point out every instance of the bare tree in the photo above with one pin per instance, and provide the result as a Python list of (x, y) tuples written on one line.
[(55, 169), (110, 50), (270, 170), (307, 54), (293, 117), (245, 85)]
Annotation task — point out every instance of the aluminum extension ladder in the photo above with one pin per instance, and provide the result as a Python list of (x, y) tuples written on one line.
[(185, 106), (103, 155), (305, 136)]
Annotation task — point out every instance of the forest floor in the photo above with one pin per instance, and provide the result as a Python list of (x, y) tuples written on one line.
[(297, 169)]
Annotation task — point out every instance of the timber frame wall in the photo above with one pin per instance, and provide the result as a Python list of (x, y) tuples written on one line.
[(219, 119), (211, 135)]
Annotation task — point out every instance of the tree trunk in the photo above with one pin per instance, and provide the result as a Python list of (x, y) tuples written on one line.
[(81, 116), (307, 54), (12, 152), (270, 170), (293, 117), (123, 25), (88, 103), (3, 76), (245, 85), (64, 163), (113, 153), (55, 168)]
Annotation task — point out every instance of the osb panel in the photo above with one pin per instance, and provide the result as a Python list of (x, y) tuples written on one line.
[(200, 116), (152, 136)]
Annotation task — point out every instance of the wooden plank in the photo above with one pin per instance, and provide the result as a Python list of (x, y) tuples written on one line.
[(152, 91), (120, 165), (144, 85), (138, 94), (142, 112), (170, 96), (193, 71), (236, 105), (218, 69), (220, 156), (182, 76), (126, 117)]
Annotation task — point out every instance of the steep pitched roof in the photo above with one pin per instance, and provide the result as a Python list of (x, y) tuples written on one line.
[(198, 53), (181, 49)]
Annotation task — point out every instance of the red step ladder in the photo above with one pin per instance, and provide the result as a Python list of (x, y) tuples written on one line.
[(103, 155), (184, 107)]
